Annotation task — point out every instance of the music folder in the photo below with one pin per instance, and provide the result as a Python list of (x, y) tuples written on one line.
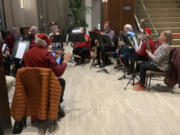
[(96, 36), (59, 39), (76, 37), (107, 40)]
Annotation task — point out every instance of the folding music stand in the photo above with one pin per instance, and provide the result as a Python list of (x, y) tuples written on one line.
[(104, 39), (19, 49), (76, 37), (94, 36), (58, 41)]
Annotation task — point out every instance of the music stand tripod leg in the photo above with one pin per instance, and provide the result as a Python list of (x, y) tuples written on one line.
[(133, 74), (123, 76), (103, 70), (93, 63)]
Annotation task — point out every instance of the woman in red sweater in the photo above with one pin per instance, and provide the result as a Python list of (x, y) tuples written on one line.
[(82, 49)]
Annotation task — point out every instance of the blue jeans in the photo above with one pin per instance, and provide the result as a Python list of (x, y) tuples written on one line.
[(125, 55)]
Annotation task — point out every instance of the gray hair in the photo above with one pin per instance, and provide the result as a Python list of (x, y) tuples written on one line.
[(168, 35)]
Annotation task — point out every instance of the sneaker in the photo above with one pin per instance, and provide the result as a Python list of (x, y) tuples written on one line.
[(140, 87), (101, 66), (136, 83)]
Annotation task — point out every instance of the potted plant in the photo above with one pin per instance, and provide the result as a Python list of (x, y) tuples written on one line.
[(77, 13)]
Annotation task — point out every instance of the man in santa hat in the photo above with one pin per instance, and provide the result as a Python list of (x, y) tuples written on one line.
[(39, 56), (147, 43)]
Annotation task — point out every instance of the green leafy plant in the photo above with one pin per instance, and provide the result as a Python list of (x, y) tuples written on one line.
[(77, 12)]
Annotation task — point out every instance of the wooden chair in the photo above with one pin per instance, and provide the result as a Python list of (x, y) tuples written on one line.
[(149, 78)]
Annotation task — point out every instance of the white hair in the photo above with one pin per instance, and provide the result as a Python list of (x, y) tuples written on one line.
[(33, 28), (129, 27)]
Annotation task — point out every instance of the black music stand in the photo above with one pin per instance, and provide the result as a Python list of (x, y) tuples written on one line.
[(104, 39), (133, 77), (76, 37), (94, 36), (19, 49), (58, 41)]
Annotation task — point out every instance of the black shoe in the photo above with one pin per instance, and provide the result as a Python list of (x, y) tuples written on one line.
[(18, 126), (118, 65), (129, 73), (109, 62), (61, 113), (62, 100), (102, 66)]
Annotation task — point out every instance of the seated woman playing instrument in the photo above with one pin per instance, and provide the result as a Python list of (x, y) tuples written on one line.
[(159, 60), (82, 49)]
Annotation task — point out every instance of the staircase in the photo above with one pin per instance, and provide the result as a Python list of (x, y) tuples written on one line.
[(164, 14)]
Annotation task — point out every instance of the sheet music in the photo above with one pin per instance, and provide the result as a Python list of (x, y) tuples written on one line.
[(21, 50), (3, 48)]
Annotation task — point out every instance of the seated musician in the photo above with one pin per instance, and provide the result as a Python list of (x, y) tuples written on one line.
[(159, 60), (6, 55), (12, 37), (124, 45), (54, 30), (32, 32), (82, 49), (106, 47), (140, 54), (39, 56)]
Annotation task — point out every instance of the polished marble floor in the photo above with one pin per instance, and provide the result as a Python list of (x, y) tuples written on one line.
[(96, 104)]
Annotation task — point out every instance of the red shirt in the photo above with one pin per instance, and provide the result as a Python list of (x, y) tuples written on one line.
[(40, 57), (142, 51), (84, 44), (10, 42)]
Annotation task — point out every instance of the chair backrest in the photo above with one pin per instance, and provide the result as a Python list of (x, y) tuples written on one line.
[(115, 40), (36, 94)]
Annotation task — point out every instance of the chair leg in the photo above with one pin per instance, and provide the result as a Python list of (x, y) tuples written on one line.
[(147, 80), (149, 85), (170, 90)]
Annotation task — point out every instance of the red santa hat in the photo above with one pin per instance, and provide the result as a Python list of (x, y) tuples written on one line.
[(149, 31), (42, 39), (53, 23), (33, 29)]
